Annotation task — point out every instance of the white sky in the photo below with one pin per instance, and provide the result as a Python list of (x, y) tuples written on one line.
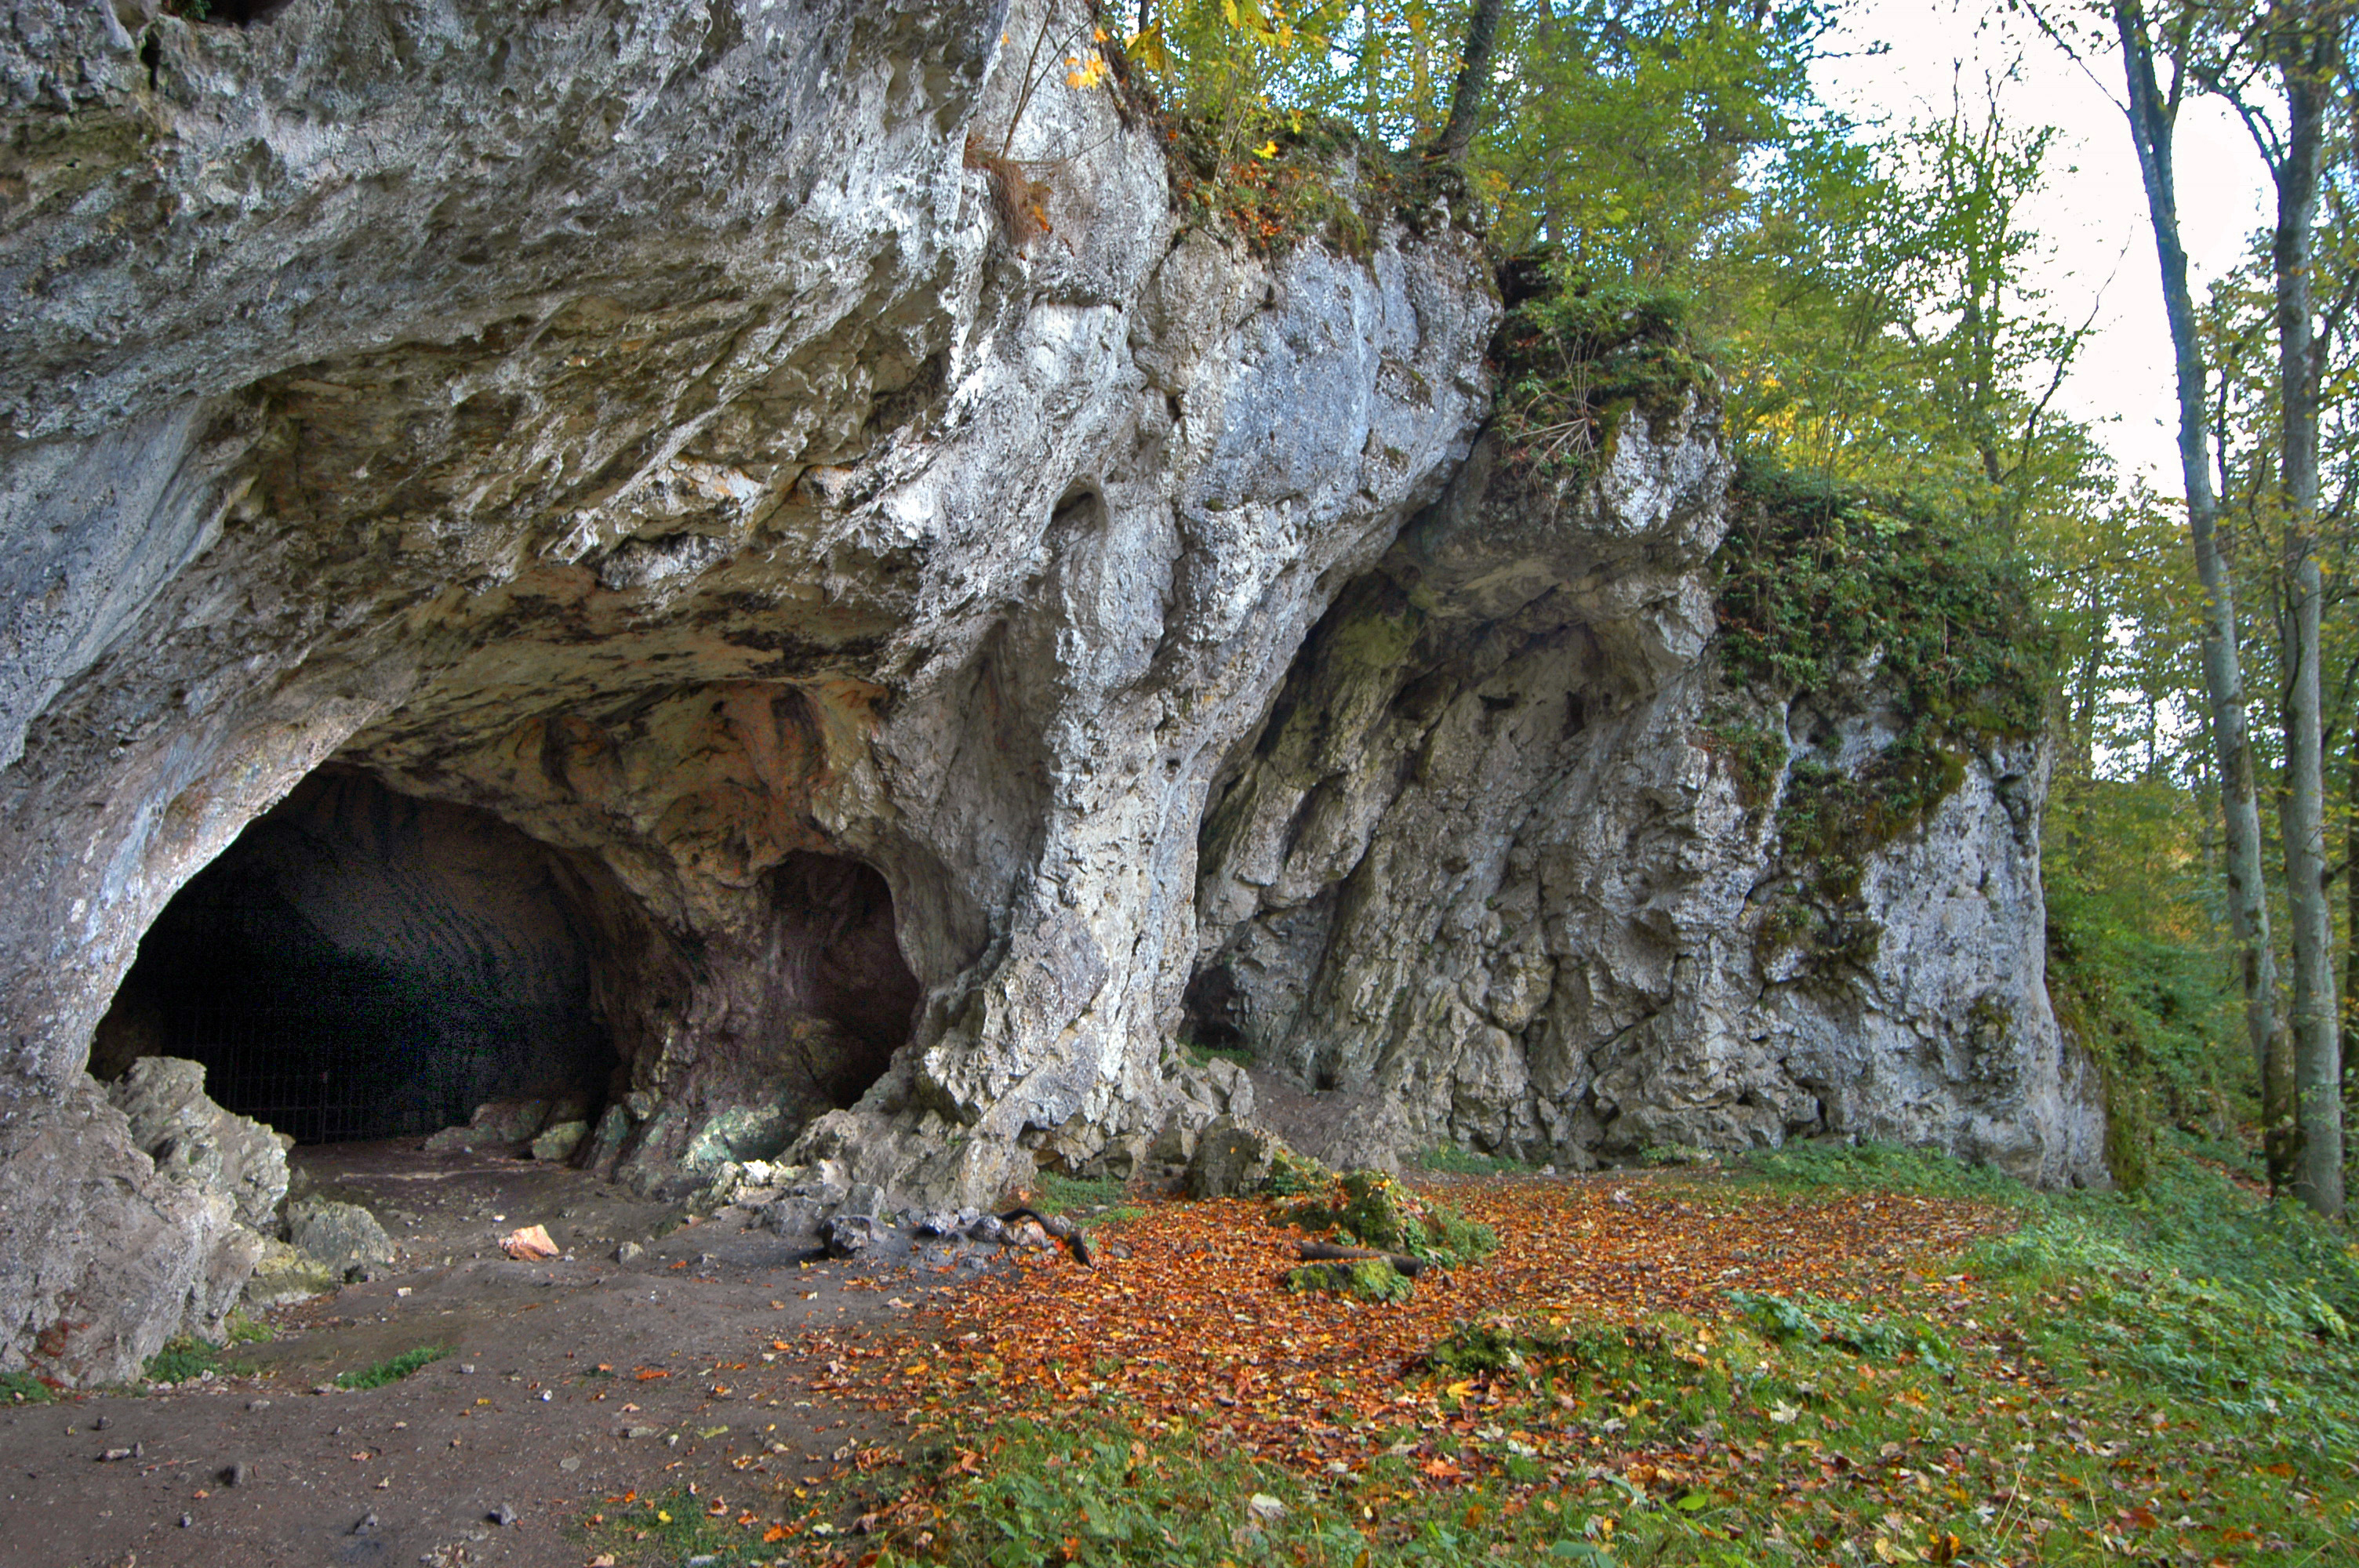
[(2094, 213)]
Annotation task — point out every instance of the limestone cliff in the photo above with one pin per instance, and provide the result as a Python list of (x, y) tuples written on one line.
[(1496, 873), (637, 423)]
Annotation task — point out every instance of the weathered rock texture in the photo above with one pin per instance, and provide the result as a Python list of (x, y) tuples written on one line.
[(634, 423), (1490, 869)]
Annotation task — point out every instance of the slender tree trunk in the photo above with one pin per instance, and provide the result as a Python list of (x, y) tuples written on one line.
[(2350, 892), (2151, 117), (2317, 1067), (1474, 85)]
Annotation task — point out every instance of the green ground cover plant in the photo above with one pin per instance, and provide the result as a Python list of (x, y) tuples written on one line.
[(393, 1368)]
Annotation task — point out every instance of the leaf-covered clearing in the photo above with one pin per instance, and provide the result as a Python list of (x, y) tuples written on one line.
[(1866, 1359)]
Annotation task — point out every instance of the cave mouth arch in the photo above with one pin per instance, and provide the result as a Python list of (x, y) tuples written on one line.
[(364, 964)]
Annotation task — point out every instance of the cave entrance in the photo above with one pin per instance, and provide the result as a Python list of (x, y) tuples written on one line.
[(364, 964), (838, 983)]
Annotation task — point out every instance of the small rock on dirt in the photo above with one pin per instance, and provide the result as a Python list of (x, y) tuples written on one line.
[(234, 1473), (502, 1516), (987, 1228), (529, 1245), (628, 1250), (560, 1142), (847, 1236)]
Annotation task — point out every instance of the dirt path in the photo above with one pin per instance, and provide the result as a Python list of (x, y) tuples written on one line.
[(567, 1383)]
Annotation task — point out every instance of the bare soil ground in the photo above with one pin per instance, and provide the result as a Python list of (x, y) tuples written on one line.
[(567, 1383)]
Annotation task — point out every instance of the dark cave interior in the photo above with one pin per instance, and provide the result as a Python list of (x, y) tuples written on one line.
[(362, 964)]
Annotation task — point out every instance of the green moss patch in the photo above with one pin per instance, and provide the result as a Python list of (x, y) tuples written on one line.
[(1819, 584), (1370, 1209), (1365, 1278)]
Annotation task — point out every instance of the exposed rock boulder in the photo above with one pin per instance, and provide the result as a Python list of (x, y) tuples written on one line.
[(1232, 1159), (1498, 871), (195, 1141), (559, 1139), (102, 1259), (286, 1273), (343, 1237)]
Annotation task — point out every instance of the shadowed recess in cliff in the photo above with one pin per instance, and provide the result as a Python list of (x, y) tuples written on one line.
[(361, 964), (838, 961)]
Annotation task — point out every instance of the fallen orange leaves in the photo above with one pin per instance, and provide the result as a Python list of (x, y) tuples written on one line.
[(1196, 1328)]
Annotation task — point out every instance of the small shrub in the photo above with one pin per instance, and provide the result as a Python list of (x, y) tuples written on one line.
[(394, 1370), (245, 1330), (1451, 1159), (1293, 1176), (1817, 1321), (1381, 1211), (1575, 361), (180, 1361)]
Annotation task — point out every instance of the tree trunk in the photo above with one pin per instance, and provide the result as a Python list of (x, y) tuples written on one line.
[(2151, 120), (1474, 85), (2350, 893), (2306, 57)]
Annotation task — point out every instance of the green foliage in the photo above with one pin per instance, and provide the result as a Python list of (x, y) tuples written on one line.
[(1574, 361), (1365, 1278), (1816, 1320), (1884, 1167), (393, 1370), (1293, 1176), (1819, 582), (1817, 579), (2203, 1292), (1450, 1159), (2133, 967), (1756, 754), (23, 1388), (1635, 135), (1374, 1209), (1204, 1055), (1307, 179), (1053, 1194), (181, 1360), (243, 1329)]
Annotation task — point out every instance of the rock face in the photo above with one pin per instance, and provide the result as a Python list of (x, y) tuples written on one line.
[(1491, 870), (196, 1142), (636, 425), (92, 1284)]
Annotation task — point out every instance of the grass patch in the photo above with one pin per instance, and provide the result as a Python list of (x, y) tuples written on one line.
[(393, 1370), (1886, 1168), (246, 1330), (23, 1388), (182, 1360), (1448, 1158), (1053, 1194), (1205, 1055)]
